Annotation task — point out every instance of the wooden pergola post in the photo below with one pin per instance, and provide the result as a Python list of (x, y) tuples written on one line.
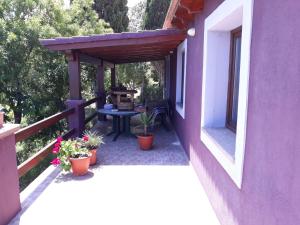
[(75, 120), (100, 92), (74, 76), (113, 77)]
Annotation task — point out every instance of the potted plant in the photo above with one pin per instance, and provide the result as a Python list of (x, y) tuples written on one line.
[(145, 139), (92, 141), (71, 154)]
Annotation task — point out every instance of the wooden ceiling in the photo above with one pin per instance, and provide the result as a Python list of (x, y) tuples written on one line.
[(181, 12), (121, 47)]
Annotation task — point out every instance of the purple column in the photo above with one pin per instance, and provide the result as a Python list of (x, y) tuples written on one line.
[(74, 75), (100, 89), (9, 178), (76, 120), (113, 77)]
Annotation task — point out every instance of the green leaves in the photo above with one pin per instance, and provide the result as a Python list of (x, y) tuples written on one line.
[(30, 75), (114, 12)]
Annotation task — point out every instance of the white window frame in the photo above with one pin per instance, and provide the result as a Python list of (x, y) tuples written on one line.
[(218, 25), (181, 48)]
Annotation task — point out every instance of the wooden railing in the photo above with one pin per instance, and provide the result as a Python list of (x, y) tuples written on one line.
[(38, 126), (35, 128), (87, 103)]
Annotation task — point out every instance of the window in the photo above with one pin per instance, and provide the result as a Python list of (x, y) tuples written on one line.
[(180, 102), (180, 78), (226, 62), (234, 79)]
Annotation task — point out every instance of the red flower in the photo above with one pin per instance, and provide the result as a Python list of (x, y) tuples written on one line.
[(57, 145), (55, 162), (55, 150), (85, 138), (59, 139)]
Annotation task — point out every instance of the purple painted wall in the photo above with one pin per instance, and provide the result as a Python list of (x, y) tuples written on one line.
[(270, 191), (9, 179)]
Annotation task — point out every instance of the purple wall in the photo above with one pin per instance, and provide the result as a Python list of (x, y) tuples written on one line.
[(9, 179), (270, 191)]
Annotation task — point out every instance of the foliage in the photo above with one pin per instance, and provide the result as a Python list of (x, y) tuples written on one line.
[(155, 14), (67, 149), (33, 80), (146, 120), (136, 16), (91, 140), (29, 74), (114, 12)]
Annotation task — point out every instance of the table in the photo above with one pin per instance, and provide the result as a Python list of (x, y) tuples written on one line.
[(117, 116)]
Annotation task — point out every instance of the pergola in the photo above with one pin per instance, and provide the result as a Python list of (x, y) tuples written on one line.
[(105, 51)]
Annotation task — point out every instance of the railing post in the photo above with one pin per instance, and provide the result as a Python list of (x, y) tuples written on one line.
[(9, 179), (76, 120)]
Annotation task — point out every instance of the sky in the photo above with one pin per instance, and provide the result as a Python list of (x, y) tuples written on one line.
[(130, 2)]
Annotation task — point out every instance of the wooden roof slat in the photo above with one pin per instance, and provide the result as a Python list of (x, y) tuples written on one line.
[(121, 47)]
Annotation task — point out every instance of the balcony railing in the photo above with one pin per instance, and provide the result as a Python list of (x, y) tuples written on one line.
[(35, 128)]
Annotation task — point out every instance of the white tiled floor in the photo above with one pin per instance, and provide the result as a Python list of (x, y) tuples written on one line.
[(144, 190)]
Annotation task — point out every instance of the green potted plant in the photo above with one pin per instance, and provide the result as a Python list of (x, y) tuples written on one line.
[(145, 139), (92, 141), (71, 154)]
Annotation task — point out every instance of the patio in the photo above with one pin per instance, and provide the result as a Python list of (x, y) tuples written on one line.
[(127, 186)]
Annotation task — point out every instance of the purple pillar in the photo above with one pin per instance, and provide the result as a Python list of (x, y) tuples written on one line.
[(9, 178), (74, 75), (76, 120), (113, 77), (100, 89)]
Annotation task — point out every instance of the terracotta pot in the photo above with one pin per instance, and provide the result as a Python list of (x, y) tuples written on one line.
[(145, 142), (1, 119), (80, 166), (93, 157)]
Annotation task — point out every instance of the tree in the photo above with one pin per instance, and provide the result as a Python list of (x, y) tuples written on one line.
[(136, 16), (114, 12), (29, 74), (155, 14)]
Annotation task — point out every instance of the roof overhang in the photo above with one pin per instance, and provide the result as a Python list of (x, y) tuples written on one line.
[(181, 12), (121, 47)]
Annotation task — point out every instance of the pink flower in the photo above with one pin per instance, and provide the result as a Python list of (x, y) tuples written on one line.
[(55, 150), (57, 145), (85, 138), (55, 162), (59, 139)]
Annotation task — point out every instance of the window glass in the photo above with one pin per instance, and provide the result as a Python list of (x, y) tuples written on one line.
[(234, 79)]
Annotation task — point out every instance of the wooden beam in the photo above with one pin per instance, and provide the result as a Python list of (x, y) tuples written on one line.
[(119, 42), (89, 59), (109, 64), (74, 75), (192, 6)]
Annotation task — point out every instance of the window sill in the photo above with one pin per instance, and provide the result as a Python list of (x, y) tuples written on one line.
[(221, 140), (180, 109)]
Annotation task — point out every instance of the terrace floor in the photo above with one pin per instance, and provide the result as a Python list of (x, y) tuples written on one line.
[(127, 186)]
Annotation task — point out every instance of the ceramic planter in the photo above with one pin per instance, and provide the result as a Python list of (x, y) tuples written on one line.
[(145, 142), (80, 166), (93, 157), (1, 119)]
